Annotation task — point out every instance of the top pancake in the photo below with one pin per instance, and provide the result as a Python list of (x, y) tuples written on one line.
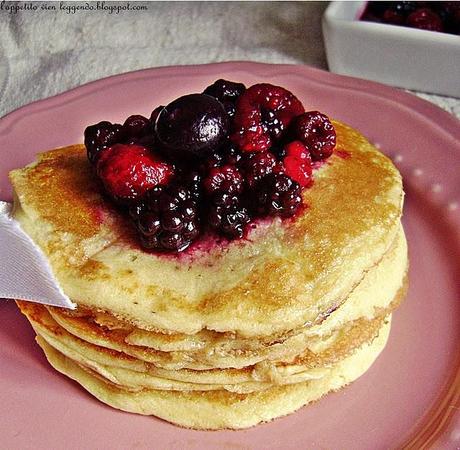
[(284, 275)]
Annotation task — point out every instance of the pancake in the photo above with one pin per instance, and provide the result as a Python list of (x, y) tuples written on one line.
[(225, 334), (333, 349), (220, 409), (376, 291), (353, 214)]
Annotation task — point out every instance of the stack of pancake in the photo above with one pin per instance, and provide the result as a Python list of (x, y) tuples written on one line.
[(226, 335)]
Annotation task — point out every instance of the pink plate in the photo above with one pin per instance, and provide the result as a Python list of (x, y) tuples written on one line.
[(410, 396)]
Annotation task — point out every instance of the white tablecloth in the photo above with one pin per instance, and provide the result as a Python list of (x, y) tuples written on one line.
[(43, 53)]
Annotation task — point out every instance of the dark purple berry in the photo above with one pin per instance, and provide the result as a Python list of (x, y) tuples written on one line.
[(172, 221), (154, 115), (224, 179), (167, 218), (277, 194), (191, 126), (191, 230), (225, 91), (224, 199), (229, 221), (136, 127), (100, 136), (231, 153), (173, 241), (256, 165), (148, 223)]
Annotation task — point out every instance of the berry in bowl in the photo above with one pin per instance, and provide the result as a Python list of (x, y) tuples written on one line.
[(413, 45)]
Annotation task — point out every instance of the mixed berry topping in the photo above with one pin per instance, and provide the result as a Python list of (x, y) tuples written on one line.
[(211, 162), (432, 16)]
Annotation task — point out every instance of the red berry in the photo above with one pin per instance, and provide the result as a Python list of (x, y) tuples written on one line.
[(297, 163), (297, 149), (316, 131), (263, 113), (425, 19), (128, 171)]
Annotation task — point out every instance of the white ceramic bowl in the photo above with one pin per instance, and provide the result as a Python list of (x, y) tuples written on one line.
[(399, 56)]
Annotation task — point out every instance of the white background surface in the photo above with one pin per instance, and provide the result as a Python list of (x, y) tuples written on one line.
[(43, 53)]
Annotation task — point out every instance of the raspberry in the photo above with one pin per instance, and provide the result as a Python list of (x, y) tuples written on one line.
[(315, 130), (297, 163), (425, 19), (99, 137), (128, 171), (277, 194), (263, 112), (167, 218), (256, 165), (224, 179)]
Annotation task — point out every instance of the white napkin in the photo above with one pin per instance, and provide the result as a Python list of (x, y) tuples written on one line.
[(25, 272)]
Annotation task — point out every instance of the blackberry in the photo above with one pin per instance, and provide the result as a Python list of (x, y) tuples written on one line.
[(154, 115), (277, 194), (230, 221), (225, 91), (231, 153), (256, 165), (215, 159), (167, 218), (192, 179), (136, 126), (227, 154), (224, 179), (100, 136)]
